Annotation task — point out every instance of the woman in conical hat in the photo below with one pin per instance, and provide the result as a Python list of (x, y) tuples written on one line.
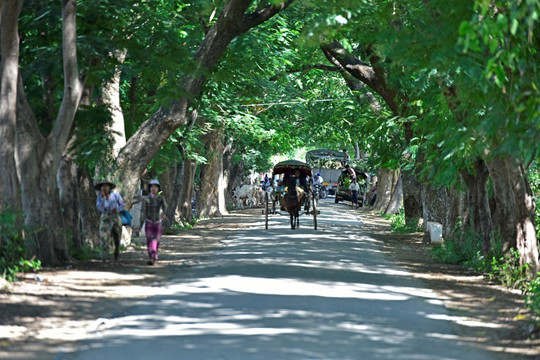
[(109, 203)]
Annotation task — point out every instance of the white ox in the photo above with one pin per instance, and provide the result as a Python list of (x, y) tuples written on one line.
[(248, 194)]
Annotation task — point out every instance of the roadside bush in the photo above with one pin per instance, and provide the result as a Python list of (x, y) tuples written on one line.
[(465, 247), (398, 224), (85, 253), (509, 271), (14, 257), (532, 297), (466, 250)]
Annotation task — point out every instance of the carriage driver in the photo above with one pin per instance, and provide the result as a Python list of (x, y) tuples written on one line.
[(301, 179)]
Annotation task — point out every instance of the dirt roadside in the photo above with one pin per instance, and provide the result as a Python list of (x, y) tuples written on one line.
[(50, 310)]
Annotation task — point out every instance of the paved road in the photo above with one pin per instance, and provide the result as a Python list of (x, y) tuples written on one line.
[(284, 294)]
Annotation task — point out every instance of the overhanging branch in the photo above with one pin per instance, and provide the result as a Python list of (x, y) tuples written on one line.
[(305, 68)]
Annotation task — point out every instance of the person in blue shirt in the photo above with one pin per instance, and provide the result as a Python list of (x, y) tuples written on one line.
[(109, 203)]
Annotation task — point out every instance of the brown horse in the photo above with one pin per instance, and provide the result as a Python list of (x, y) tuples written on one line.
[(293, 202)]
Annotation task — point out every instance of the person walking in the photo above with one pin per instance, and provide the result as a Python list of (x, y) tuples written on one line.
[(109, 203), (354, 188), (153, 212)]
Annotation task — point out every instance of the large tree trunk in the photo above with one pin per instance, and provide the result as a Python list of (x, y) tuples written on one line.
[(153, 133), (236, 173), (526, 242), (188, 181), (504, 214), (386, 181), (67, 179), (89, 213), (457, 206), (435, 207), (167, 179), (211, 196), (396, 200), (8, 104), (110, 97), (229, 175), (477, 184), (412, 202), (68, 184), (515, 209), (40, 157), (172, 205)]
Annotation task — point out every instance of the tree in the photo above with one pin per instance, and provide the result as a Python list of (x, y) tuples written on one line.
[(8, 104), (40, 155), (154, 132)]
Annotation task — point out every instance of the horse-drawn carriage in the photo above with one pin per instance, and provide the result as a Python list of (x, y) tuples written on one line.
[(292, 192)]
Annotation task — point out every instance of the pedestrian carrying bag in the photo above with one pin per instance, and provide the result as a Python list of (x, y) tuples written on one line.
[(126, 217)]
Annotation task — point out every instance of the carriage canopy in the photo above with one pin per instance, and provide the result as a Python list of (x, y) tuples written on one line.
[(290, 166)]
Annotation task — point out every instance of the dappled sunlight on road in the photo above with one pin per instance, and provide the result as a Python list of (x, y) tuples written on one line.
[(279, 293), (290, 287)]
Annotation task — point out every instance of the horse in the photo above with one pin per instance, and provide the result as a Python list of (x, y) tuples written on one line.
[(293, 200)]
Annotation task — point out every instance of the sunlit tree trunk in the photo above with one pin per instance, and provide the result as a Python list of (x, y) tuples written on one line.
[(110, 97), (8, 104), (396, 200), (386, 181), (526, 242), (211, 198), (513, 217), (40, 156)]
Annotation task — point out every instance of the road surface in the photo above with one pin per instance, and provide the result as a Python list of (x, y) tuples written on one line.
[(284, 294)]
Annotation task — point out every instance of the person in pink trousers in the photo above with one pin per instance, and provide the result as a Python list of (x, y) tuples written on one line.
[(153, 212)]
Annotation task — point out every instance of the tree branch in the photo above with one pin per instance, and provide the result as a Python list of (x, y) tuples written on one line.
[(73, 86), (305, 68), (362, 72), (260, 16)]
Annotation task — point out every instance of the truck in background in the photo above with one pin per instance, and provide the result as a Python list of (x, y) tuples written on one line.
[(328, 163)]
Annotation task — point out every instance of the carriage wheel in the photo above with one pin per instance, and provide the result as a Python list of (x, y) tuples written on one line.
[(314, 215), (266, 210)]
